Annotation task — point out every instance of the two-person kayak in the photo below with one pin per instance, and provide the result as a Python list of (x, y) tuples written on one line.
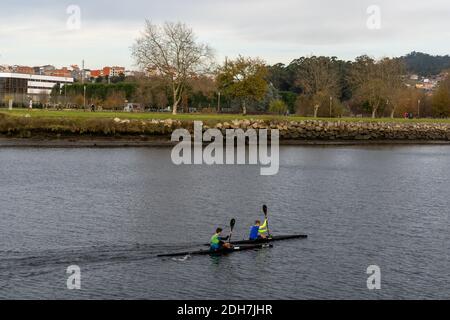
[(259, 238), (259, 233), (237, 246)]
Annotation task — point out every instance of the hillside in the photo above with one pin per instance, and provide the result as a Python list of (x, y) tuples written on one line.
[(424, 64)]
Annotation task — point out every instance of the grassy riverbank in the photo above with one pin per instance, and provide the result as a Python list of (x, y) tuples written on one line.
[(46, 124), (76, 114)]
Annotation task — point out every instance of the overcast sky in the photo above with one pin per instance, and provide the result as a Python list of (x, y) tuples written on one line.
[(35, 32)]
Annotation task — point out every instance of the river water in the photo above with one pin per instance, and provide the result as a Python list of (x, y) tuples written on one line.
[(111, 211)]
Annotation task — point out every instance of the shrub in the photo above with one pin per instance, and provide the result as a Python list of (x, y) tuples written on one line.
[(278, 106)]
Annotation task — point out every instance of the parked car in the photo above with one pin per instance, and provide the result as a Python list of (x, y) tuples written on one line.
[(132, 107), (168, 109)]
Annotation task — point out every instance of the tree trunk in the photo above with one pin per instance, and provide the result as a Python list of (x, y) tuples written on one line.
[(394, 108), (374, 112), (244, 108), (176, 101), (316, 110), (176, 98), (175, 108)]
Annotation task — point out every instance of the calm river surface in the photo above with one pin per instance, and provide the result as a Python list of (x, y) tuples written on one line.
[(111, 211)]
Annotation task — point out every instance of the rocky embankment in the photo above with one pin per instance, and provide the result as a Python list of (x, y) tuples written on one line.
[(346, 130), (306, 130)]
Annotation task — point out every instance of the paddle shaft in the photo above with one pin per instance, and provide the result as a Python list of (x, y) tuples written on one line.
[(268, 230), (267, 219)]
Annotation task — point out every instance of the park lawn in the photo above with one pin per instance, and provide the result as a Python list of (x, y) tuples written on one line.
[(80, 115)]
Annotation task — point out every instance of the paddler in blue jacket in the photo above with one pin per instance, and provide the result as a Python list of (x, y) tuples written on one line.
[(258, 231), (218, 242)]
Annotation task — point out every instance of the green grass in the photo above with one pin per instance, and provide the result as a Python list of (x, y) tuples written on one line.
[(76, 114), (80, 115)]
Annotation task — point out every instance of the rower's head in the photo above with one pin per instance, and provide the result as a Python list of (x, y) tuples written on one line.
[(219, 230), (257, 223)]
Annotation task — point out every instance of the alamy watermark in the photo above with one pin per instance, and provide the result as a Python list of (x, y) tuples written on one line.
[(235, 149), (374, 280), (374, 20), (74, 280), (74, 19)]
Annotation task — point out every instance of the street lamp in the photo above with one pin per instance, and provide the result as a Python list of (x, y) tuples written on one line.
[(418, 108), (84, 98), (331, 105), (218, 102)]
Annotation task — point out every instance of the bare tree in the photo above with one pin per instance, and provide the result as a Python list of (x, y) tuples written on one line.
[(318, 78), (376, 82), (172, 52)]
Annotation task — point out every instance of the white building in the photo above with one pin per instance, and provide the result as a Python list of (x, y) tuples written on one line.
[(23, 87)]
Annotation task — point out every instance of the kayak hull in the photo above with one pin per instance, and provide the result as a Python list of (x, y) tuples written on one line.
[(269, 240), (272, 239), (220, 251)]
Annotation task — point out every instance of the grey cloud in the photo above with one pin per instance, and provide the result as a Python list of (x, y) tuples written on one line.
[(267, 28)]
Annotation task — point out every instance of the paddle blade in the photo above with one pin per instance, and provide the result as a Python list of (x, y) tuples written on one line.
[(265, 209), (232, 223)]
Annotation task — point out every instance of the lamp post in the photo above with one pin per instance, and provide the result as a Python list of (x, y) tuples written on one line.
[(218, 103), (331, 106), (60, 97), (84, 98), (418, 108)]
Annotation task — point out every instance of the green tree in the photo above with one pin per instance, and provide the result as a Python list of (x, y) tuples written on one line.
[(102, 90), (289, 98), (280, 76), (243, 79)]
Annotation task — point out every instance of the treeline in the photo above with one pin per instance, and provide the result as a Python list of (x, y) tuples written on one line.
[(315, 86), (186, 78), (109, 96), (149, 92), (329, 87)]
